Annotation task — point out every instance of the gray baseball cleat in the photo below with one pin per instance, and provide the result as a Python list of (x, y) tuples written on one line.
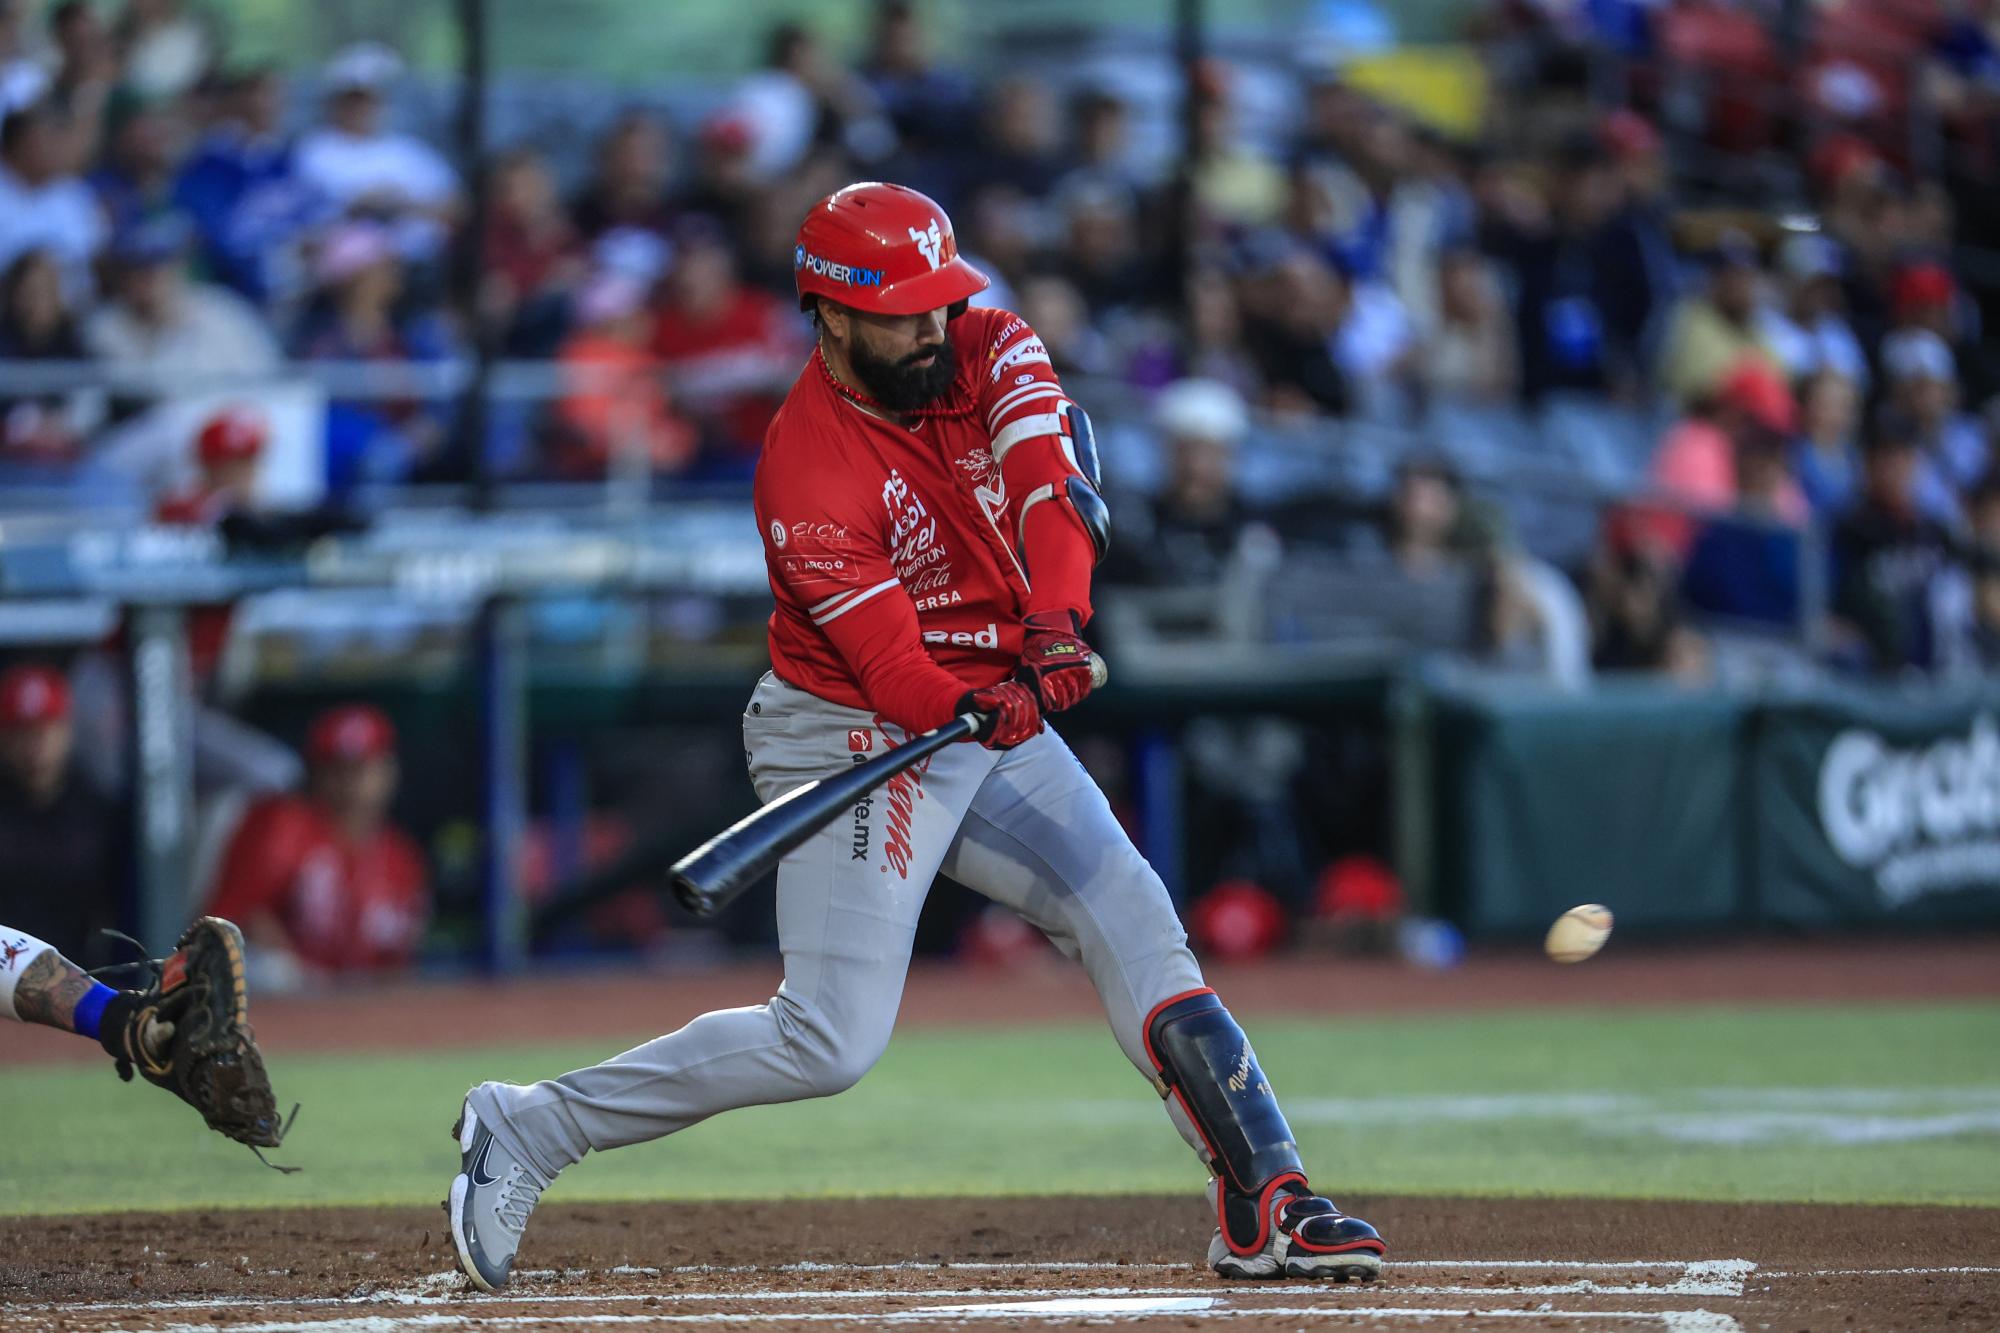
[(491, 1199)]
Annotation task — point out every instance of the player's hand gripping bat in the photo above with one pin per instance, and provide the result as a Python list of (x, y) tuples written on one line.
[(714, 874)]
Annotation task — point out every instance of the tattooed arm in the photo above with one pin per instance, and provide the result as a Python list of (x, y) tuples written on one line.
[(48, 991)]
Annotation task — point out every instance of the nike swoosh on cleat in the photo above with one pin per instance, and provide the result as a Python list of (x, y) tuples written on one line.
[(479, 1176)]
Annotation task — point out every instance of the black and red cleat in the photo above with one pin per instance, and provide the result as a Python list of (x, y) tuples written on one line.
[(1308, 1238)]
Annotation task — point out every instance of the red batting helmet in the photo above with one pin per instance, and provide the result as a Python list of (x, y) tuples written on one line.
[(883, 248)]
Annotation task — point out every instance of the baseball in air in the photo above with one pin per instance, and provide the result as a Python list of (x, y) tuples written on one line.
[(1578, 933)]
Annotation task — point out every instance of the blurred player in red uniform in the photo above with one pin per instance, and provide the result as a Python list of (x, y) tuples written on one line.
[(229, 449), (61, 856), (322, 883)]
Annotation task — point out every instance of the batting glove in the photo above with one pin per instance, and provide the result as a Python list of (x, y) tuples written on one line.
[(1055, 661), (1008, 711)]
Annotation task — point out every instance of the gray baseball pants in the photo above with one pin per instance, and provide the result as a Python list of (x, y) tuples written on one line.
[(1026, 827)]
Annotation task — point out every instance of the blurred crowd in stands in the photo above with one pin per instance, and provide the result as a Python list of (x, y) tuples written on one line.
[(1756, 315)]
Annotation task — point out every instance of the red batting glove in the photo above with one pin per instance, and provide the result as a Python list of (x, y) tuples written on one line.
[(1010, 711), (1055, 661)]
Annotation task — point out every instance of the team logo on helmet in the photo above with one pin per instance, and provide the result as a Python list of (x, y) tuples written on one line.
[(930, 243), (846, 274)]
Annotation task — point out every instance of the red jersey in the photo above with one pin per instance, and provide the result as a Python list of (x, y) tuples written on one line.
[(345, 906), (893, 548)]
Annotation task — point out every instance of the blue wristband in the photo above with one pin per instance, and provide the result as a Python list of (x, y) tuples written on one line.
[(90, 1009)]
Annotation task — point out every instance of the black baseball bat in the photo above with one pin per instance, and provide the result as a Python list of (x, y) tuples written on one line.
[(712, 876)]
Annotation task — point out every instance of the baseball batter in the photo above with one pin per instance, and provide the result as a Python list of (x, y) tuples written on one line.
[(928, 498)]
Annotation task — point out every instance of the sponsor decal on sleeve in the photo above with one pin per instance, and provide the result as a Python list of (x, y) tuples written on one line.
[(1007, 330), (804, 573), (1027, 352)]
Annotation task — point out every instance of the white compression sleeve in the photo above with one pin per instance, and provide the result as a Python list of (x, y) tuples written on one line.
[(17, 951)]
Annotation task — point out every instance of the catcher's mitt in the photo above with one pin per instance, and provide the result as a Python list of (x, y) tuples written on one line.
[(187, 1029)]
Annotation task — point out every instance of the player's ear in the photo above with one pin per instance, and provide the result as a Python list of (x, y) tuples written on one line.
[(836, 319)]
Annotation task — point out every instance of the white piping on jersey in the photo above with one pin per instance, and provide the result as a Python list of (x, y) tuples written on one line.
[(818, 607), (1027, 428), (1016, 398), (849, 600)]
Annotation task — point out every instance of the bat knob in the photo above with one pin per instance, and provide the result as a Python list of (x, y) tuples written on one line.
[(1100, 671)]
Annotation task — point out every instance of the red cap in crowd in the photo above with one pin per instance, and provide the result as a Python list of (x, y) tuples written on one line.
[(350, 732), (32, 695), (1757, 391), (231, 435), (1921, 286), (1839, 156), (1358, 886), (1628, 134), (1237, 921), (881, 248)]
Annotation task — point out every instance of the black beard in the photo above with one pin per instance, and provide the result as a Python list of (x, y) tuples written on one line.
[(906, 385)]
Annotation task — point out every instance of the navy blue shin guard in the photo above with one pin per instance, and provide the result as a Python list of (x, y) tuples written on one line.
[(1204, 1059)]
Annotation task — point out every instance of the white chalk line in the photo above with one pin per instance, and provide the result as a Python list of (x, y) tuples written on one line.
[(1677, 1321), (1883, 1272), (408, 1299), (1699, 1277)]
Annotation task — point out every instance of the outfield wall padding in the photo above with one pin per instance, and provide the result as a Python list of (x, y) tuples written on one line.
[(1835, 807)]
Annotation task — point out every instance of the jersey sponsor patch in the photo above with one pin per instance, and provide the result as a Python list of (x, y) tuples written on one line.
[(860, 741), (988, 637), (1027, 352), (777, 534), (1007, 330), (803, 573)]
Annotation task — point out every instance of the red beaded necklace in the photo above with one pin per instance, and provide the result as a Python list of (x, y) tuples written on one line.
[(943, 407)]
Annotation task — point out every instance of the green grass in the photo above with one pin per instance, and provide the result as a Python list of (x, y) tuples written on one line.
[(1878, 1104)]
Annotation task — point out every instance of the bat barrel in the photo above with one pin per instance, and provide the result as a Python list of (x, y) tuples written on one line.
[(711, 876)]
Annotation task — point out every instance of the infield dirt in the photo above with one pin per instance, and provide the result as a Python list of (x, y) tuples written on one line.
[(1064, 1262)]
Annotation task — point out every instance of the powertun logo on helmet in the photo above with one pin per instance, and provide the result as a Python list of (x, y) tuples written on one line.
[(881, 248), (833, 272)]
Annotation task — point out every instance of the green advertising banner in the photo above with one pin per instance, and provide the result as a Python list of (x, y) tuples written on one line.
[(1629, 795), (1877, 807)]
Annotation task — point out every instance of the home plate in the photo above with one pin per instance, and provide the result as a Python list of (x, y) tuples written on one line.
[(1084, 1305)]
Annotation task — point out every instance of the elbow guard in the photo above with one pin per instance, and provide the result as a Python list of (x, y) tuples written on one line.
[(1080, 491)]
